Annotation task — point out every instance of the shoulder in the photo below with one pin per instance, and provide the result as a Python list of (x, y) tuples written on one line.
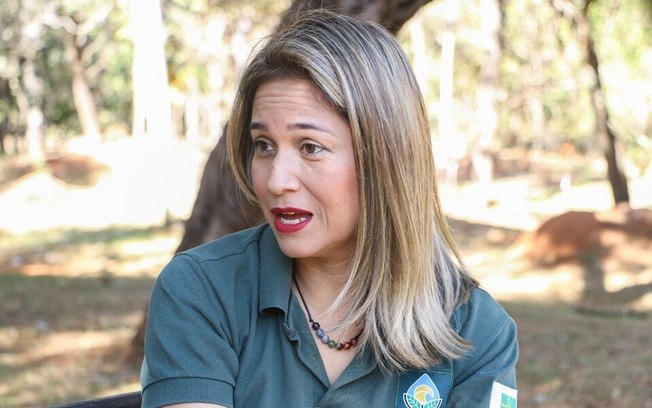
[(228, 246), (237, 254), (491, 360), (482, 321)]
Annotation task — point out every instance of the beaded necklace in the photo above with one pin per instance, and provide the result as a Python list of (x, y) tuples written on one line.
[(320, 333)]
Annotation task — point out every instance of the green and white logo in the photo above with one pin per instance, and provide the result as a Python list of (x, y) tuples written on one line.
[(423, 393), (507, 402), (502, 396)]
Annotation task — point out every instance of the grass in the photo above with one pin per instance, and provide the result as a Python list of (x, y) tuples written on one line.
[(64, 240), (66, 322), (570, 359), (71, 298), (65, 338)]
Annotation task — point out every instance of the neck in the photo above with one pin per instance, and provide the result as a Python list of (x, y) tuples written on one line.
[(320, 283)]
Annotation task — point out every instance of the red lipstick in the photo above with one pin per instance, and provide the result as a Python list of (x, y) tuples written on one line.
[(289, 219)]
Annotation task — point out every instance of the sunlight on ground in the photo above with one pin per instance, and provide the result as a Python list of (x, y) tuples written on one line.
[(147, 182), (564, 285), (80, 261), (63, 343)]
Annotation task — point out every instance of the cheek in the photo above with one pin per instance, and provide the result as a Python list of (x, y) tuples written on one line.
[(257, 180), (352, 182), (349, 189)]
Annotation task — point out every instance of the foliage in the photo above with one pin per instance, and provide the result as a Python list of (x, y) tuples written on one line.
[(554, 77), (625, 51), (543, 97), (208, 44), (53, 68), (106, 52)]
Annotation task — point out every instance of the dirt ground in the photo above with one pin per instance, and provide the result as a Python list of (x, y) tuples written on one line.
[(81, 243)]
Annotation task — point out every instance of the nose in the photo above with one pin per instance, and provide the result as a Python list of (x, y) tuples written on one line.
[(284, 175)]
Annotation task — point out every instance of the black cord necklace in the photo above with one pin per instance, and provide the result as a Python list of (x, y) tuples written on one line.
[(320, 333)]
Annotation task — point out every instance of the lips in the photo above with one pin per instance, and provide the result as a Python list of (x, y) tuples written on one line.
[(290, 219)]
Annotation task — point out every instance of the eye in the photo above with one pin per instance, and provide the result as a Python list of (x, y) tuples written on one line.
[(311, 148), (262, 146)]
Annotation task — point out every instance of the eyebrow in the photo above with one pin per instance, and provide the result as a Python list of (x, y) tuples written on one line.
[(294, 126)]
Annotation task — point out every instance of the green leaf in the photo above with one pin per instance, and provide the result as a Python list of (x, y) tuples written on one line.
[(411, 401), (433, 404)]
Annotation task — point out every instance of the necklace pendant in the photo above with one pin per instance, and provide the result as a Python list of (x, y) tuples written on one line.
[(320, 333)]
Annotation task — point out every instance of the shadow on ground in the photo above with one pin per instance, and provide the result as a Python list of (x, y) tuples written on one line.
[(570, 359), (65, 338)]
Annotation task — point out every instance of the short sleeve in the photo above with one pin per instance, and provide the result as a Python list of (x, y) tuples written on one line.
[(188, 352), (490, 367)]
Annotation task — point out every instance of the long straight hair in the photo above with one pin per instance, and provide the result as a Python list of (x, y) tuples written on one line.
[(407, 276)]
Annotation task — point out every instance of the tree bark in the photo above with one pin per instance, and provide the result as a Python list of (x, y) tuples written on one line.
[(81, 93), (34, 132), (451, 147), (580, 21), (31, 85), (219, 207), (151, 101), (392, 14), (487, 95), (615, 174)]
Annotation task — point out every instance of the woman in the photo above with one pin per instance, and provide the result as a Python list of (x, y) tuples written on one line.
[(352, 294)]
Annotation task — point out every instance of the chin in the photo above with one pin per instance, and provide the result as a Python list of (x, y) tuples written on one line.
[(292, 251)]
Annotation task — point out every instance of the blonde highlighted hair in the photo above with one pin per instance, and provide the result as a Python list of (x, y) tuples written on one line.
[(407, 276)]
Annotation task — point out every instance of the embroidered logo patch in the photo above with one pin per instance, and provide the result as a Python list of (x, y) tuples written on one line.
[(502, 396), (423, 393)]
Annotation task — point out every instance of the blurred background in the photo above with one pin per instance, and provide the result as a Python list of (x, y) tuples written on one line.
[(110, 117)]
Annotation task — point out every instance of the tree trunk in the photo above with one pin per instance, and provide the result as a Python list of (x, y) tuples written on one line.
[(580, 21), (33, 86), (220, 207), (151, 102), (392, 14), (451, 146), (81, 93), (535, 105), (615, 174), (487, 95)]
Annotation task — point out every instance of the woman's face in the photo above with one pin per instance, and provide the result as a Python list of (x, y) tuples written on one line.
[(303, 171)]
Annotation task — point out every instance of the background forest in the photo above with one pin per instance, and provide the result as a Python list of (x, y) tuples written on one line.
[(541, 117), (71, 68)]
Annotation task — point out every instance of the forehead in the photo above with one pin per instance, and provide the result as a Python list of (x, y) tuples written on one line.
[(287, 83), (286, 98)]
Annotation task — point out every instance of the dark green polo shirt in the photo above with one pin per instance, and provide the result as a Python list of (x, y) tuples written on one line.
[(225, 328)]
